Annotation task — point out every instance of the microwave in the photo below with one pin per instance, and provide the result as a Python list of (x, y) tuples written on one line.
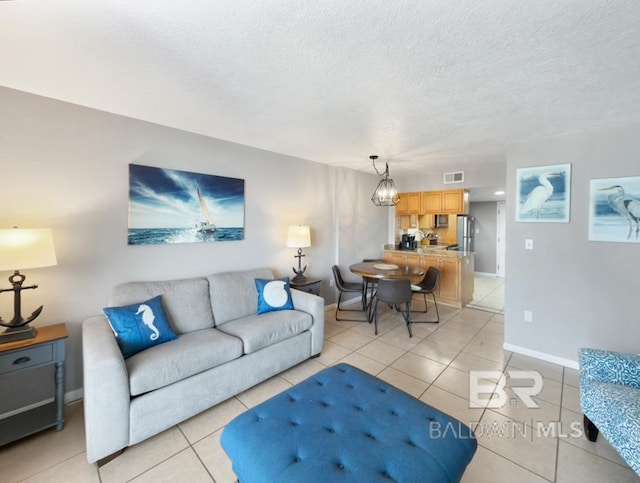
[(441, 221)]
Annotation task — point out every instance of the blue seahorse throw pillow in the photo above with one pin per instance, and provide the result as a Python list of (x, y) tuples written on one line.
[(139, 326), (273, 295)]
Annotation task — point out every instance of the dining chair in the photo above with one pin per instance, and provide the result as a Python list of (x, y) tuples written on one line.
[(395, 292), (348, 287), (428, 285)]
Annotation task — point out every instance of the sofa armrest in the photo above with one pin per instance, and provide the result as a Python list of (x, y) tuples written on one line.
[(106, 390), (313, 305), (608, 366)]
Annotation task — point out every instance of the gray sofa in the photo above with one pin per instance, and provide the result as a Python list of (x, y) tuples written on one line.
[(222, 349)]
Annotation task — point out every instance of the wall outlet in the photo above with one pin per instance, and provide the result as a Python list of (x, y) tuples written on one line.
[(528, 316), (528, 244), (332, 282)]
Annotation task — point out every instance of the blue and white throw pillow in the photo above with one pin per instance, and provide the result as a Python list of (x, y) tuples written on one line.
[(139, 326), (273, 295)]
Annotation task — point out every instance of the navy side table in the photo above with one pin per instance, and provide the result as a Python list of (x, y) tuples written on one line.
[(310, 285), (32, 383)]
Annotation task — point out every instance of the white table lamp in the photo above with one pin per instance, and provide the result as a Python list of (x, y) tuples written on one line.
[(299, 237), (22, 249)]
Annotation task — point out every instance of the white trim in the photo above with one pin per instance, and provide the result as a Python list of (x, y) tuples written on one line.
[(541, 355), (74, 395), (487, 274)]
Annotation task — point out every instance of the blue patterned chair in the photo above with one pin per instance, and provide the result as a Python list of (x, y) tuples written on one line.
[(610, 399)]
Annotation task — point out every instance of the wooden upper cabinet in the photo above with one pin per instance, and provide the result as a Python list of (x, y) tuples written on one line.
[(402, 208), (414, 203), (431, 202), (453, 201), (409, 204)]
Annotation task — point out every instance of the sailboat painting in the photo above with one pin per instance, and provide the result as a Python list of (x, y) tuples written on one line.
[(172, 206), (544, 193)]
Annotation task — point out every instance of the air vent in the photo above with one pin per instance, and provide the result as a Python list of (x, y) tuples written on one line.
[(454, 177)]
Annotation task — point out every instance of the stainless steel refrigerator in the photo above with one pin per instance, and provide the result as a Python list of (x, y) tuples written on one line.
[(466, 233)]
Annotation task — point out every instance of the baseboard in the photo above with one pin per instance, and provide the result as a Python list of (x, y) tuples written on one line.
[(74, 395), (541, 355), (486, 274)]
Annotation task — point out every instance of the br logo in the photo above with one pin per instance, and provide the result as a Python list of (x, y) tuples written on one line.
[(488, 389)]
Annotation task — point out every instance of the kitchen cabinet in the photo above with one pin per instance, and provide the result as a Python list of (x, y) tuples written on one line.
[(449, 201), (456, 273), (414, 203), (449, 285), (431, 202), (409, 204), (402, 208), (453, 201)]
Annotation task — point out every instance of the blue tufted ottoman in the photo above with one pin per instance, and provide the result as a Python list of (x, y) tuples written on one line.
[(343, 424)]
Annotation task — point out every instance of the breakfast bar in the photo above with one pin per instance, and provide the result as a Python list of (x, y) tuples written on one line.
[(456, 270)]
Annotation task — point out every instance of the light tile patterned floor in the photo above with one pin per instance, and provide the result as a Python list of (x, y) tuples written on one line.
[(488, 293), (515, 443)]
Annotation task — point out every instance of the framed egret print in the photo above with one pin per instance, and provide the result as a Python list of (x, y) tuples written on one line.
[(544, 193), (614, 209), (171, 206)]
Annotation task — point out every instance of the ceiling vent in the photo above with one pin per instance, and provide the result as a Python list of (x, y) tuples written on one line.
[(454, 177)]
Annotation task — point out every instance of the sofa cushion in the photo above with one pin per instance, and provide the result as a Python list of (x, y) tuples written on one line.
[(273, 295), (186, 302), (259, 331), (189, 354), (233, 294), (139, 326)]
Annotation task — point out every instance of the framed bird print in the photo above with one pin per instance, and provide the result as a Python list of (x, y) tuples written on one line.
[(544, 193), (614, 210)]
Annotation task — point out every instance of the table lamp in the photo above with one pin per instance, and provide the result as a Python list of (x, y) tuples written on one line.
[(22, 249), (299, 237)]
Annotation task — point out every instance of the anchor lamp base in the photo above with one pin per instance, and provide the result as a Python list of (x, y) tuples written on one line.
[(17, 333)]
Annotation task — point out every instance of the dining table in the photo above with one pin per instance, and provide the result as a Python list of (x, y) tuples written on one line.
[(377, 270)]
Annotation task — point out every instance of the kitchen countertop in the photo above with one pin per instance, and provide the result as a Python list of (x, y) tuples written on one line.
[(433, 250)]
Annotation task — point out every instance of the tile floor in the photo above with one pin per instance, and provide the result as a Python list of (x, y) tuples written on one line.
[(515, 443), (488, 293)]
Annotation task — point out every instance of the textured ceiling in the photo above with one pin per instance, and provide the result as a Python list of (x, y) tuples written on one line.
[(420, 83)]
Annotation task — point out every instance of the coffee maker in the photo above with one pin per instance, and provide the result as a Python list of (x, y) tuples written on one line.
[(408, 242)]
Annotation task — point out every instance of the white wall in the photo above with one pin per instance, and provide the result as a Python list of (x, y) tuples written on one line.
[(66, 167), (489, 174), (581, 293)]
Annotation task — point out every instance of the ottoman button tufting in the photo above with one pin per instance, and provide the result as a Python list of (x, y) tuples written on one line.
[(389, 440)]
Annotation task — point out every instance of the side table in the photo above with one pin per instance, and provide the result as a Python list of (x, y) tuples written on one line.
[(32, 383), (311, 285)]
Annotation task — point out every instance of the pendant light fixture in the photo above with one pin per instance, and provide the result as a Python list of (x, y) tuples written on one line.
[(386, 193)]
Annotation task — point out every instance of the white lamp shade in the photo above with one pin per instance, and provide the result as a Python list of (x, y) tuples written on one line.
[(22, 248), (299, 236)]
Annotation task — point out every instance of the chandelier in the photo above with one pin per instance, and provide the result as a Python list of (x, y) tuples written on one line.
[(386, 193)]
